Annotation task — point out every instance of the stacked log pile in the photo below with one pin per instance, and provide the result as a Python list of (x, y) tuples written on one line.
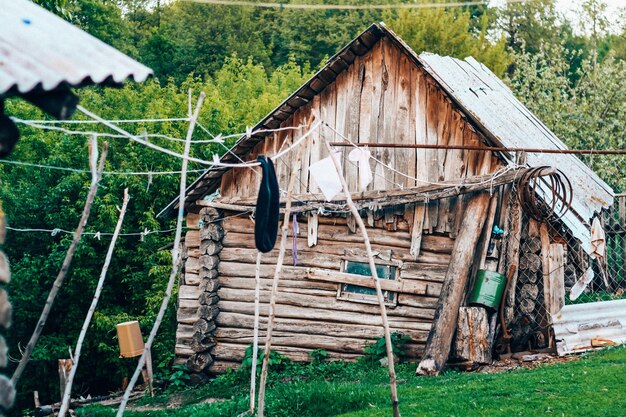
[(7, 391), (530, 314), (198, 299)]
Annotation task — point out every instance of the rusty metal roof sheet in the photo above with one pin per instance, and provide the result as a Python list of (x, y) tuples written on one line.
[(580, 327), (41, 52), (478, 92)]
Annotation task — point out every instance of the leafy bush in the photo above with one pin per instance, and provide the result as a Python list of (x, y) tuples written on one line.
[(378, 350)]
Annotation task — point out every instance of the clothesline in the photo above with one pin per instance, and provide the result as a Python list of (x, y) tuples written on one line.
[(85, 171), (56, 231), (241, 164), (92, 133), (145, 232), (219, 138), (175, 119), (216, 160), (304, 6)]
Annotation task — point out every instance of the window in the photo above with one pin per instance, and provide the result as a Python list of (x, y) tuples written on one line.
[(366, 294)]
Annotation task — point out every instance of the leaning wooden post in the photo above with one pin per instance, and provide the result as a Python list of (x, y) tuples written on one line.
[(379, 292), (176, 259), (255, 340), (96, 175), (65, 401), (446, 314), (277, 271)]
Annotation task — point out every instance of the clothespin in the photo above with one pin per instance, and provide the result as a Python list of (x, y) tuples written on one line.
[(97, 236), (55, 232), (218, 138), (216, 159), (144, 234), (93, 156), (149, 181), (248, 132)]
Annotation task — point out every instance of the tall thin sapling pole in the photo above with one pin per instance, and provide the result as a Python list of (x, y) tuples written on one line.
[(277, 271), (379, 292), (176, 259), (96, 175), (65, 402)]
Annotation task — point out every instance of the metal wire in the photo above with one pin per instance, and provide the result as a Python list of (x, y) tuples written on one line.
[(551, 207)]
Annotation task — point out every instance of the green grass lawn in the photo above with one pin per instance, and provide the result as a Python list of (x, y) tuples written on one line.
[(594, 385)]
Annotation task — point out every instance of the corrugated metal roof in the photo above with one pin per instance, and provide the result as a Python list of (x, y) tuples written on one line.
[(41, 52), (478, 92), (506, 121), (576, 325)]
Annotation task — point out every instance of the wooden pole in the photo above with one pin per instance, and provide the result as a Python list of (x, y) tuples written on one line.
[(65, 365), (277, 271), (255, 343), (446, 313), (482, 148), (379, 292), (65, 401), (176, 258), (96, 175)]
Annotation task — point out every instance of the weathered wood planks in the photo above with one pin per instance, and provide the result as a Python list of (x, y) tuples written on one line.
[(381, 97)]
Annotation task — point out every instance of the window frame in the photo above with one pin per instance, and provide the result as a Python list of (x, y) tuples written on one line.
[(391, 297)]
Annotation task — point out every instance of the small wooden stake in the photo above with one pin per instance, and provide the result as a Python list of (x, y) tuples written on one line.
[(416, 230), (65, 366)]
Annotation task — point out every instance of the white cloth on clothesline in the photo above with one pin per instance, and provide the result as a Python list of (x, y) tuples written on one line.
[(362, 157), (326, 177)]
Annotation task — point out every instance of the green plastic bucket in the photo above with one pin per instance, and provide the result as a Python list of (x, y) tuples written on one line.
[(488, 289)]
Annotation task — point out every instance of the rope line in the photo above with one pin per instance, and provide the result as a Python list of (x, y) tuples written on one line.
[(216, 161), (85, 171), (176, 119), (346, 6)]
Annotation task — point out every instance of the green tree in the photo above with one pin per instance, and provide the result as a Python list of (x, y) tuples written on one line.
[(450, 32), (527, 25), (588, 113)]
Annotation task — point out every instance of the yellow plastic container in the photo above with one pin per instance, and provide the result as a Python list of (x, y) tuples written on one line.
[(130, 339)]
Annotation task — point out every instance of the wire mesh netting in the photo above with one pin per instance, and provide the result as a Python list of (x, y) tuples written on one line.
[(552, 263)]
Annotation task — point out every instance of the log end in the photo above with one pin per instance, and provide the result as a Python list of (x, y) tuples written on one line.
[(428, 367)]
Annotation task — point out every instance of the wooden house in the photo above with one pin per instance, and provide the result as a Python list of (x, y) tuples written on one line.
[(375, 90)]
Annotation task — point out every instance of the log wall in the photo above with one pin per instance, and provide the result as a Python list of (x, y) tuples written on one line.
[(309, 313), (197, 291)]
